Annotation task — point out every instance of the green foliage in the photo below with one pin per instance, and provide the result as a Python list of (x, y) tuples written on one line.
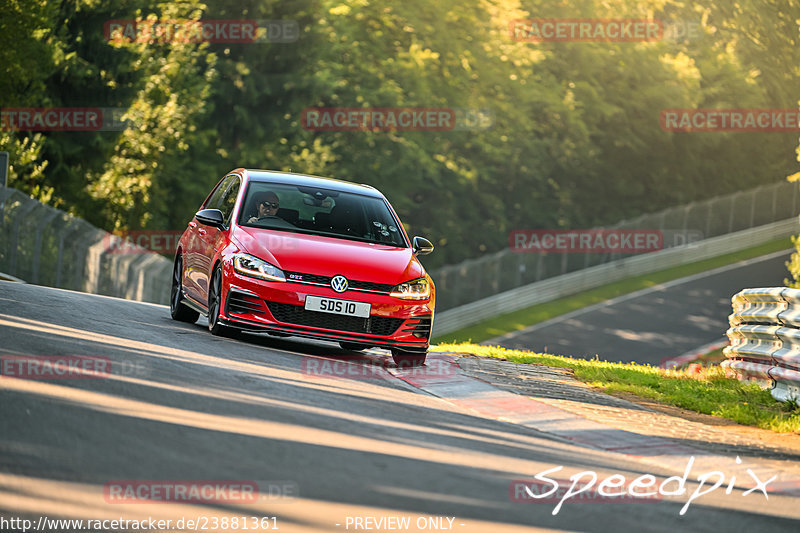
[(576, 140), (794, 261), (26, 165), (151, 161)]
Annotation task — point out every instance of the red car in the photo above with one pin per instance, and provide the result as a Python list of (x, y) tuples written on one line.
[(296, 255)]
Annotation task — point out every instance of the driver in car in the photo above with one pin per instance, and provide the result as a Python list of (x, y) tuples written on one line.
[(267, 204)]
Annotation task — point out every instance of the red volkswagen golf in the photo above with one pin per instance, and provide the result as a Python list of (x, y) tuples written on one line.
[(296, 255)]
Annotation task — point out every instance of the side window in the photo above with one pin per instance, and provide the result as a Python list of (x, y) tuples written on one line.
[(229, 199), (214, 200)]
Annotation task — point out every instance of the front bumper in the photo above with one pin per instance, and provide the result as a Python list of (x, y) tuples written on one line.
[(278, 307)]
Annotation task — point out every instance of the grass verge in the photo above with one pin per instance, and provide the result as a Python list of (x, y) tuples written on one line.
[(523, 318), (713, 357), (708, 391)]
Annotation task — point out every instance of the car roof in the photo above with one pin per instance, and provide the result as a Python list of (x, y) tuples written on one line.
[(290, 178)]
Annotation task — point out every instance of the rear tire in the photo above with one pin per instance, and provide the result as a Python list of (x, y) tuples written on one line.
[(177, 309), (215, 307), (408, 359)]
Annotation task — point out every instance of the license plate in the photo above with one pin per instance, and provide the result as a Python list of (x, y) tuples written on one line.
[(337, 307)]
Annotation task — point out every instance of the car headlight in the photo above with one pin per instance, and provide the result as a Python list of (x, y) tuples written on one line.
[(253, 266), (417, 289)]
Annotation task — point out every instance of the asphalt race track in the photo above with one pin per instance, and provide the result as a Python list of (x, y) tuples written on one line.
[(327, 452), (655, 324)]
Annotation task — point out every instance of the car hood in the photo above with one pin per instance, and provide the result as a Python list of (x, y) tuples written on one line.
[(326, 256)]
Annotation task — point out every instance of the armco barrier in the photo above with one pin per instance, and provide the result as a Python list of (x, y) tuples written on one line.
[(507, 270), (765, 339), (589, 278), (45, 246)]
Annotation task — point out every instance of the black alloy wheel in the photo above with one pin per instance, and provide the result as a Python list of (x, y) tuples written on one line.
[(177, 309), (215, 306)]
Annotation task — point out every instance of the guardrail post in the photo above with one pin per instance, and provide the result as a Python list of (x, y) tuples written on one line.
[(708, 221), (774, 203), (37, 246), (539, 267), (71, 226), (494, 283), (4, 169), (12, 262), (686, 217), (5, 195), (733, 210)]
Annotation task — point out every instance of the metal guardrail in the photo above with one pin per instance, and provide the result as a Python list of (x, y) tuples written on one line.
[(506, 270), (765, 339), (45, 246), (574, 282)]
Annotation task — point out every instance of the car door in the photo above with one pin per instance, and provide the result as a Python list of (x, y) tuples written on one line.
[(212, 239), (195, 261)]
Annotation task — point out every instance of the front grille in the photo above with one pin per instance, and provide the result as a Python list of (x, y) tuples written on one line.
[(307, 278), (241, 303), (302, 277), (369, 286), (419, 326), (296, 314)]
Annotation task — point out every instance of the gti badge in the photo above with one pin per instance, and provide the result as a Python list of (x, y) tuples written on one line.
[(339, 283)]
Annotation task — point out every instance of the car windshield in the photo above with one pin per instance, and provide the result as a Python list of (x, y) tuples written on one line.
[(317, 211)]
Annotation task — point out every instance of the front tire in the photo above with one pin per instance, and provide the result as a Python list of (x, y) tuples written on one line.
[(177, 309), (408, 359), (215, 306)]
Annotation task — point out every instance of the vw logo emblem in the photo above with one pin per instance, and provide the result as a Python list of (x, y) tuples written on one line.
[(339, 283)]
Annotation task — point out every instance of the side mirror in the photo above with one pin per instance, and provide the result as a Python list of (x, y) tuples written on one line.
[(210, 217), (422, 246)]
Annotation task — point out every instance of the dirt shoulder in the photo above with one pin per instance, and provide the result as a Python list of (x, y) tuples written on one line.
[(558, 387)]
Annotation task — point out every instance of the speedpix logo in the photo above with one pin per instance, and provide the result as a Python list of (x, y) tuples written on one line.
[(588, 486)]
